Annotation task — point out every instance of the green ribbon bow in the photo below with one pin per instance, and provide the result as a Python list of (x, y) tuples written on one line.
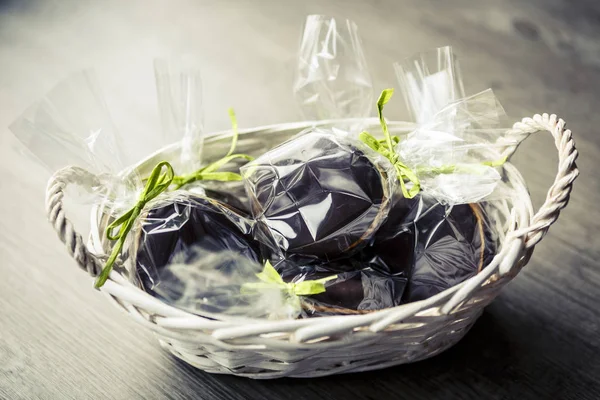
[(270, 279), (157, 183), (386, 146), (210, 171)]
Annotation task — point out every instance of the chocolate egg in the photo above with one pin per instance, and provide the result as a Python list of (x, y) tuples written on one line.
[(171, 228), (452, 245), (318, 195), (354, 292)]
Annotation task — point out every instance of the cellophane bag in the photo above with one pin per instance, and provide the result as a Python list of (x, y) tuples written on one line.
[(429, 81), (457, 152), (332, 78), (459, 145), (434, 246), (145, 247), (71, 126), (443, 235), (189, 215), (173, 227), (321, 196), (179, 94)]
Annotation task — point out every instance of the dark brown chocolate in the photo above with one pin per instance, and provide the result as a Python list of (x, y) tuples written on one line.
[(355, 292), (169, 231), (316, 196), (392, 249), (452, 245)]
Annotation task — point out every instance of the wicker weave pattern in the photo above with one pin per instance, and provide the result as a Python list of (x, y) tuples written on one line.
[(338, 344)]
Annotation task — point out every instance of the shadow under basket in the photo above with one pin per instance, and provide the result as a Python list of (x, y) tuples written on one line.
[(338, 344)]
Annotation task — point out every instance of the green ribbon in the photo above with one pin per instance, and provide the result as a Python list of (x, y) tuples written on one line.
[(458, 168), (158, 182), (270, 279), (495, 163), (386, 146), (210, 171)]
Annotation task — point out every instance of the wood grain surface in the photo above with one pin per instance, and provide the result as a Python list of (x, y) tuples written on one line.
[(60, 339)]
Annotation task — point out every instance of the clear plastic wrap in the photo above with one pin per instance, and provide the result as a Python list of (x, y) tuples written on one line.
[(323, 194), (332, 79), (225, 283), (71, 126), (190, 216), (456, 155), (169, 232), (460, 141), (178, 222), (179, 93), (454, 158), (429, 81)]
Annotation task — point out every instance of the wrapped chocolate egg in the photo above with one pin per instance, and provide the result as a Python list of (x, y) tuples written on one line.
[(172, 227), (453, 243), (435, 246), (354, 292), (351, 286), (320, 195)]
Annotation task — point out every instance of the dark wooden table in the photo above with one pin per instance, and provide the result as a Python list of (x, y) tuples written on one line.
[(60, 339)]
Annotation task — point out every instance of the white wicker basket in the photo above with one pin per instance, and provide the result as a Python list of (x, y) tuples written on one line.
[(327, 345)]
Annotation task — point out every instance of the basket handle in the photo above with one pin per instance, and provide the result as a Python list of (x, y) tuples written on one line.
[(56, 215), (558, 194)]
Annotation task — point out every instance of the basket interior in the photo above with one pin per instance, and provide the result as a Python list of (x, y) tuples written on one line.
[(509, 213)]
